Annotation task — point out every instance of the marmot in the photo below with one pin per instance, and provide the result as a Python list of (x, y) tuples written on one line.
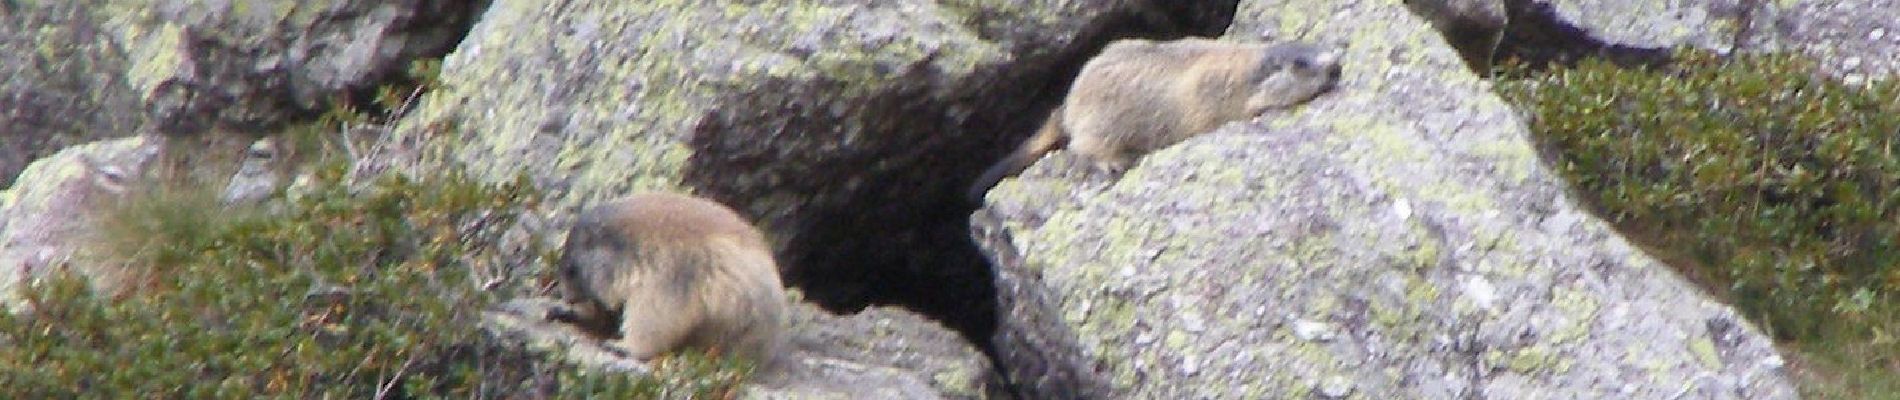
[(673, 271), (1140, 95), (258, 175)]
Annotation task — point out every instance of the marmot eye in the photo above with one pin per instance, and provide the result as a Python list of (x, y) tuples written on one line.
[(1301, 63)]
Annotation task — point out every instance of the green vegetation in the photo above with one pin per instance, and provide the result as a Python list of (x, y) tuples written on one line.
[(1775, 187), (369, 288)]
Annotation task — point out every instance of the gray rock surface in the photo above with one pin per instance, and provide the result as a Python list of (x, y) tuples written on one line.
[(763, 104), (44, 220), (1334, 251), (199, 64), (1708, 24), (62, 84), (1856, 40), (881, 353), (91, 69)]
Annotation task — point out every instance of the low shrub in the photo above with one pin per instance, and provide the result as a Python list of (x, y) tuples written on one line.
[(1775, 186), (338, 295), (348, 290)]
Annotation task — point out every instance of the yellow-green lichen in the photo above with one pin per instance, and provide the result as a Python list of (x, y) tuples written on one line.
[(1576, 304), (156, 59), (1176, 340), (1530, 360), (958, 382), (1398, 319), (1428, 250), (1704, 351)]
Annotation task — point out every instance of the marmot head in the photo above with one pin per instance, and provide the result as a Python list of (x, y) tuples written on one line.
[(1292, 73)]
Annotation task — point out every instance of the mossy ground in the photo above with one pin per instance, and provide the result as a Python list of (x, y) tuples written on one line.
[(1774, 187), (354, 288)]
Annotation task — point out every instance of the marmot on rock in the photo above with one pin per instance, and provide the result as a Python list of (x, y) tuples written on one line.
[(672, 271), (1138, 96)]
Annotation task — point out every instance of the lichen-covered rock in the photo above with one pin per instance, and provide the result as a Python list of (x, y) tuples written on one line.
[(1709, 24), (44, 220), (90, 69), (1855, 40), (881, 353), (61, 84), (763, 103), (1420, 251), (194, 64), (844, 128)]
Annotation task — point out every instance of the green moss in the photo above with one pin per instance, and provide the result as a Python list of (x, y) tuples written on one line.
[(1755, 174)]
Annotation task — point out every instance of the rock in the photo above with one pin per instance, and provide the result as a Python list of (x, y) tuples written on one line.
[(192, 65), (1865, 32), (247, 64), (1335, 387), (882, 353), (1312, 331), (1449, 261), (1854, 40), (97, 69), (62, 84), (259, 174), (844, 128), (44, 220), (1707, 24)]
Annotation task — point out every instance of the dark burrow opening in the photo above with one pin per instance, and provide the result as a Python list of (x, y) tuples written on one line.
[(902, 237)]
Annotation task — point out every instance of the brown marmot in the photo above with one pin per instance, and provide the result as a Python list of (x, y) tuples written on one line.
[(674, 271), (1140, 95)]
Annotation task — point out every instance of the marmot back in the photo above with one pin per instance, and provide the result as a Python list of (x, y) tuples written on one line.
[(672, 271), (1138, 96)]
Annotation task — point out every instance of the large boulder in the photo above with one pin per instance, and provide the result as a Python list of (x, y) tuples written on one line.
[(1420, 251), (46, 220), (197, 65), (843, 127), (881, 353), (110, 68)]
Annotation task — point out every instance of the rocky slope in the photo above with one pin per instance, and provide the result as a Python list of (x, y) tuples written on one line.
[(1395, 238)]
